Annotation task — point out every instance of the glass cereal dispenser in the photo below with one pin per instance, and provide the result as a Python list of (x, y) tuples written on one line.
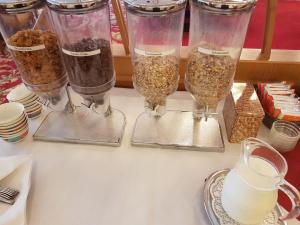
[(29, 36), (155, 33), (83, 31), (217, 34), (155, 29)]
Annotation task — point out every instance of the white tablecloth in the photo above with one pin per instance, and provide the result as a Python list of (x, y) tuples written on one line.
[(75, 184)]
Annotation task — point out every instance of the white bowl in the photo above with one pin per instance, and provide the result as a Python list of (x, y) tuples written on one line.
[(10, 113), (29, 101), (26, 100), (35, 115), (17, 138), (34, 111), (15, 123), (33, 107), (11, 126), (16, 134), (15, 129), (18, 93)]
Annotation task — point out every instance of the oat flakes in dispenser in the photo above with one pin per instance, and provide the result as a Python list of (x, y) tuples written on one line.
[(155, 33), (28, 33), (217, 34)]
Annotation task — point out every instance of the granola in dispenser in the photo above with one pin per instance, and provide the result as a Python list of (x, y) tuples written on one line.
[(209, 74), (38, 57)]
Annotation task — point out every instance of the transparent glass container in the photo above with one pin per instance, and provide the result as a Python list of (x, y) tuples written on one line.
[(29, 35), (155, 34), (217, 34), (85, 39), (83, 31)]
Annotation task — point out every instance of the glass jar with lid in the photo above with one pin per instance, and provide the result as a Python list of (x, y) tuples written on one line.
[(28, 33), (83, 29), (155, 33), (217, 34)]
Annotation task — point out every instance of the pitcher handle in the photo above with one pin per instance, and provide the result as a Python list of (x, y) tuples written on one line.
[(294, 197)]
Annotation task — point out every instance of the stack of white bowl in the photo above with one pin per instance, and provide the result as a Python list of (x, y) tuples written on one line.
[(13, 122), (22, 95)]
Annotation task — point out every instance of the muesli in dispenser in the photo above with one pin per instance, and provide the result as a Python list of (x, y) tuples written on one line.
[(30, 37)]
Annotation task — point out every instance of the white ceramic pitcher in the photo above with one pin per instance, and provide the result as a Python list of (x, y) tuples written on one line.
[(251, 188)]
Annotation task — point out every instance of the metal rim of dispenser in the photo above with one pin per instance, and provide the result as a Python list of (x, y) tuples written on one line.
[(19, 6), (226, 6), (76, 6), (154, 6)]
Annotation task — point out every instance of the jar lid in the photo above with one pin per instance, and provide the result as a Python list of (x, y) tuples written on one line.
[(16, 6), (77, 6), (226, 5), (154, 6)]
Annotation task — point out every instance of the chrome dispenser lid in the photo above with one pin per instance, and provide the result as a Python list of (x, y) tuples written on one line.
[(226, 5), (77, 6), (15, 6), (154, 6)]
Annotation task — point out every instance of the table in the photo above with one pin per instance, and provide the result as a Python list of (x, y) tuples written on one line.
[(74, 184)]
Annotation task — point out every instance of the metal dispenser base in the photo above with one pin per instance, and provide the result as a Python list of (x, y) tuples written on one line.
[(82, 126), (177, 129)]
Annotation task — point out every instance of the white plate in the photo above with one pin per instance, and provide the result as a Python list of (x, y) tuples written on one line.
[(29, 100), (10, 113)]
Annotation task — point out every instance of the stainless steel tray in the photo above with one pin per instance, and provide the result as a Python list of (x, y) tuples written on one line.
[(82, 126), (178, 130)]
